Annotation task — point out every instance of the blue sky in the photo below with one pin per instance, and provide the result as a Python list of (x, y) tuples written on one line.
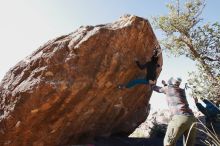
[(27, 24)]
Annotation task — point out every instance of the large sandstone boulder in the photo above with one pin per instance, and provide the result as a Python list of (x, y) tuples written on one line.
[(66, 91)]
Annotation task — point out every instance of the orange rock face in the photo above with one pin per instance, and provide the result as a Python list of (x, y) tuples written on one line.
[(66, 91)]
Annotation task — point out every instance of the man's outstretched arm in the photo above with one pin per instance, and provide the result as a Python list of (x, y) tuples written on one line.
[(158, 89)]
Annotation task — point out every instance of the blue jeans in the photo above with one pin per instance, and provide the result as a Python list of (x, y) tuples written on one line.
[(134, 82)]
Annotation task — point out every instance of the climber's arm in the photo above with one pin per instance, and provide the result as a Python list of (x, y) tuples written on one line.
[(159, 89), (141, 66)]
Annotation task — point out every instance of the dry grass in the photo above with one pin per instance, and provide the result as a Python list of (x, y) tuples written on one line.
[(212, 138)]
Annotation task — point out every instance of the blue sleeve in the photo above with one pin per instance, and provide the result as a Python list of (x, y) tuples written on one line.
[(201, 109), (212, 109), (207, 102)]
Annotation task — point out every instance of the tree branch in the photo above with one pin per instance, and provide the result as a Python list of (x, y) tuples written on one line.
[(210, 59), (198, 57)]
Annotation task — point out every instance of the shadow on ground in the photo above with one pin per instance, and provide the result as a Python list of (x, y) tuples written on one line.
[(126, 141)]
